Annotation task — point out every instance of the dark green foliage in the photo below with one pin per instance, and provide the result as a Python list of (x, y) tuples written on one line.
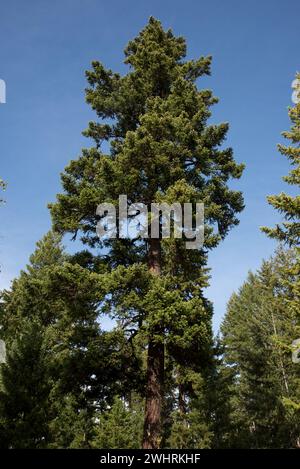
[(25, 388), (50, 325), (121, 426), (289, 206), (258, 330), (72, 423), (161, 148), (191, 424)]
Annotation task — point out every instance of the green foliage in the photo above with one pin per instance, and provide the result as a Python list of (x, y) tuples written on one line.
[(159, 140), (81, 367), (160, 145), (258, 330), (121, 426), (72, 425), (289, 231), (25, 388), (160, 148), (191, 424), (287, 205)]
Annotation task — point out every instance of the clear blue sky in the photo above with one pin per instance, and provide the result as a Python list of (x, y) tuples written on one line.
[(45, 47)]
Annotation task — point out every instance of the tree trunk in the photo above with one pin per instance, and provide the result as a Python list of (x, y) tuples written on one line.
[(155, 370), (154, 395), (284, 376), (181, 400)]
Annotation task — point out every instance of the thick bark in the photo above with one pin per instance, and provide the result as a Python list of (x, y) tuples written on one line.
[(154, 395), (154, 259), (155, 370)]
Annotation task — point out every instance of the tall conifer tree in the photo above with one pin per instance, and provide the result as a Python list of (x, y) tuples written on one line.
[(161, 149), (258, 329), (287, 205)]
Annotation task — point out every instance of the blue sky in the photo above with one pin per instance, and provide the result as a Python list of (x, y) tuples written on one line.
[(45, 47)]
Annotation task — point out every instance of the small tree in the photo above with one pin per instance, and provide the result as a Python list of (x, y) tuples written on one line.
[(121, 426), (24, 391), (78, 366)]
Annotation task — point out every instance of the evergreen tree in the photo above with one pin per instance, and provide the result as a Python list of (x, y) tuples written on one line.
[(83, 366), (121, 426), (72, 424), (289, 206), (161, 149), (24, 394), (200, 403), (217, 395), (191, 425), (257, 332)]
